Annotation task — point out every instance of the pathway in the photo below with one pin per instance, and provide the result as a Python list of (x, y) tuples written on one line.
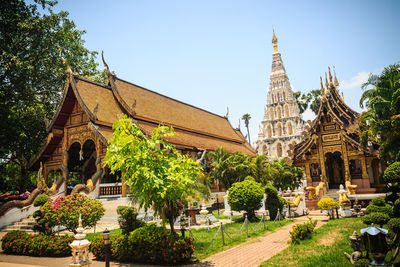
[(256, 252)]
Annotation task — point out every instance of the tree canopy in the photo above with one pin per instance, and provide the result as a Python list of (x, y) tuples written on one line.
[(157, 175), (310, 100), (32, 77), (381, 121)]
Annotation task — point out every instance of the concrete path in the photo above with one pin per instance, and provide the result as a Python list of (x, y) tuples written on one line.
[(255, 253)]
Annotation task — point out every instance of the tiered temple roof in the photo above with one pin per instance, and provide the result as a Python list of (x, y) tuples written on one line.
[(331, 104), (195, 129)]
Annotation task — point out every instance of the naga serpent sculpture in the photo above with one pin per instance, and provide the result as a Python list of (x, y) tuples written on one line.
[(89, 186)]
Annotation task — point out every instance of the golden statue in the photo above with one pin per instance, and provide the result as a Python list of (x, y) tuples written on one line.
[(294, 203), (351, 188)]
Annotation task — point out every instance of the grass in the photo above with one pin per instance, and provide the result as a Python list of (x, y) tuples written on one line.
[(232, 236), (91, 236), (325, 248)]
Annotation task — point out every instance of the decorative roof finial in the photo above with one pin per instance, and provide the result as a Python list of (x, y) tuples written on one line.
[(326, 82), (330, 77), (274, 41), (108, 72), (342, 96), (322, 86), (68, 71), (336, 81)]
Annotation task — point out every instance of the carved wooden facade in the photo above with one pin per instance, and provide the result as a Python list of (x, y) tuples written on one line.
[(331, 151)]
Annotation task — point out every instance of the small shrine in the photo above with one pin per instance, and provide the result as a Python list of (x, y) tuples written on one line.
[(331, 152)]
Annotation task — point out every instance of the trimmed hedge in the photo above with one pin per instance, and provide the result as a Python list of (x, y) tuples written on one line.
[(379, 205), (378, 218), (21, 243), (128, 219), (273, 201), (147, 244)]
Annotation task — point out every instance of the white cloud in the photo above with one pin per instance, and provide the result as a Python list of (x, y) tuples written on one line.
[(355, 82), (308, 115)]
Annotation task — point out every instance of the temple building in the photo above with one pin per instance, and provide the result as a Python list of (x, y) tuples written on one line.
[(282, 124), (331, 151), (77, 138)]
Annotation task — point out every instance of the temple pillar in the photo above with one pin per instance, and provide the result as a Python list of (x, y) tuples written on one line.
[(308, 173), (346, 162), (322, 162), (64, 166), (364, 168)]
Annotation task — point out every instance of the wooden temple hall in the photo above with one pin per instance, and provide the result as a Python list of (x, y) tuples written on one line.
[(331, 152), (77, 138)]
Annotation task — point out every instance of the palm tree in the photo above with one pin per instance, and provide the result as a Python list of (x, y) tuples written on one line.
[(381, 121), (246, 117)]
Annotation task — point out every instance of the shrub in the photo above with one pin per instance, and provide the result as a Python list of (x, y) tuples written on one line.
[(379, 205), (21, 243), (302, 231), (328, 204), (147, 244), (65, 211), (392, 176), (128, 219), (378, 218), (396, 209), (273, 202), (40, 200), (362, 263), (247, 196), (394, 225)]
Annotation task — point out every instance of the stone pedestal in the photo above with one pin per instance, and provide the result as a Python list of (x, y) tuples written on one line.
[(312, 204), (345, 212)]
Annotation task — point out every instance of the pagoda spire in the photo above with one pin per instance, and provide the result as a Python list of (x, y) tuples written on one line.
[(274, 42), (336, 80)]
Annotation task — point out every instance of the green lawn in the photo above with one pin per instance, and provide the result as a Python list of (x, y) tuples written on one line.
[(325, 248), (232, 236), (91, 236)]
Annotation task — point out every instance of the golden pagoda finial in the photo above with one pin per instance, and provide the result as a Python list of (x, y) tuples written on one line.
[(330, 77), (322, 86), (342, 96), (274, 41), (326, 82), (68, 71), (336, 81)]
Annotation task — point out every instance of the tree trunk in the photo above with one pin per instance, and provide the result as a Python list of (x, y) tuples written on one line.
[(248, 133), (171, 223)]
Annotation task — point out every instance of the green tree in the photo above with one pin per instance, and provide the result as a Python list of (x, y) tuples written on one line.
[(247, 196), (261, 169), (228, 168), (381, 121), (246, 118), (284, 175), (310, 100), (157, 174), (32, 75)]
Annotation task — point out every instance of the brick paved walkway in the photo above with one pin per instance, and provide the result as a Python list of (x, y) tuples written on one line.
[(255, 253)]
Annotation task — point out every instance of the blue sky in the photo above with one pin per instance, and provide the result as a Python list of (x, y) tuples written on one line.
[(217, 54)]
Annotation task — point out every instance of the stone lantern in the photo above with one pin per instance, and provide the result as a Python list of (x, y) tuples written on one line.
[(375, 243), (80, 248)]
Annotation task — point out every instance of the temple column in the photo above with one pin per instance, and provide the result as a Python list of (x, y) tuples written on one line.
[(346, 162), (322, 162), (364, 168), (308, 173), (64, 165)]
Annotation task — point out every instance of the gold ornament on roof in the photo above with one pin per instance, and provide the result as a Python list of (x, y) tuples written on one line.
[(342, 96), (322, 86), (330, 77), (326, 82), (336, 80), (274, 42), (68, 71)]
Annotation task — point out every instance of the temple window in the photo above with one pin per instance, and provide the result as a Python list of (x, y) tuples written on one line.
[(290, 128), (287, 111), (271, 112), (355, 169), (284, 96), (279, 112), (269, 131), (279, 128), (279, 150)]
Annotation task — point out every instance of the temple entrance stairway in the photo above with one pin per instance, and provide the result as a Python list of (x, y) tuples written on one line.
[(332, 193), (24, 225)]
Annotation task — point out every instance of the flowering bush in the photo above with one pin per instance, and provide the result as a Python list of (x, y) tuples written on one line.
[(21, 243), (302, 231), (65, 211), (147, 244)]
